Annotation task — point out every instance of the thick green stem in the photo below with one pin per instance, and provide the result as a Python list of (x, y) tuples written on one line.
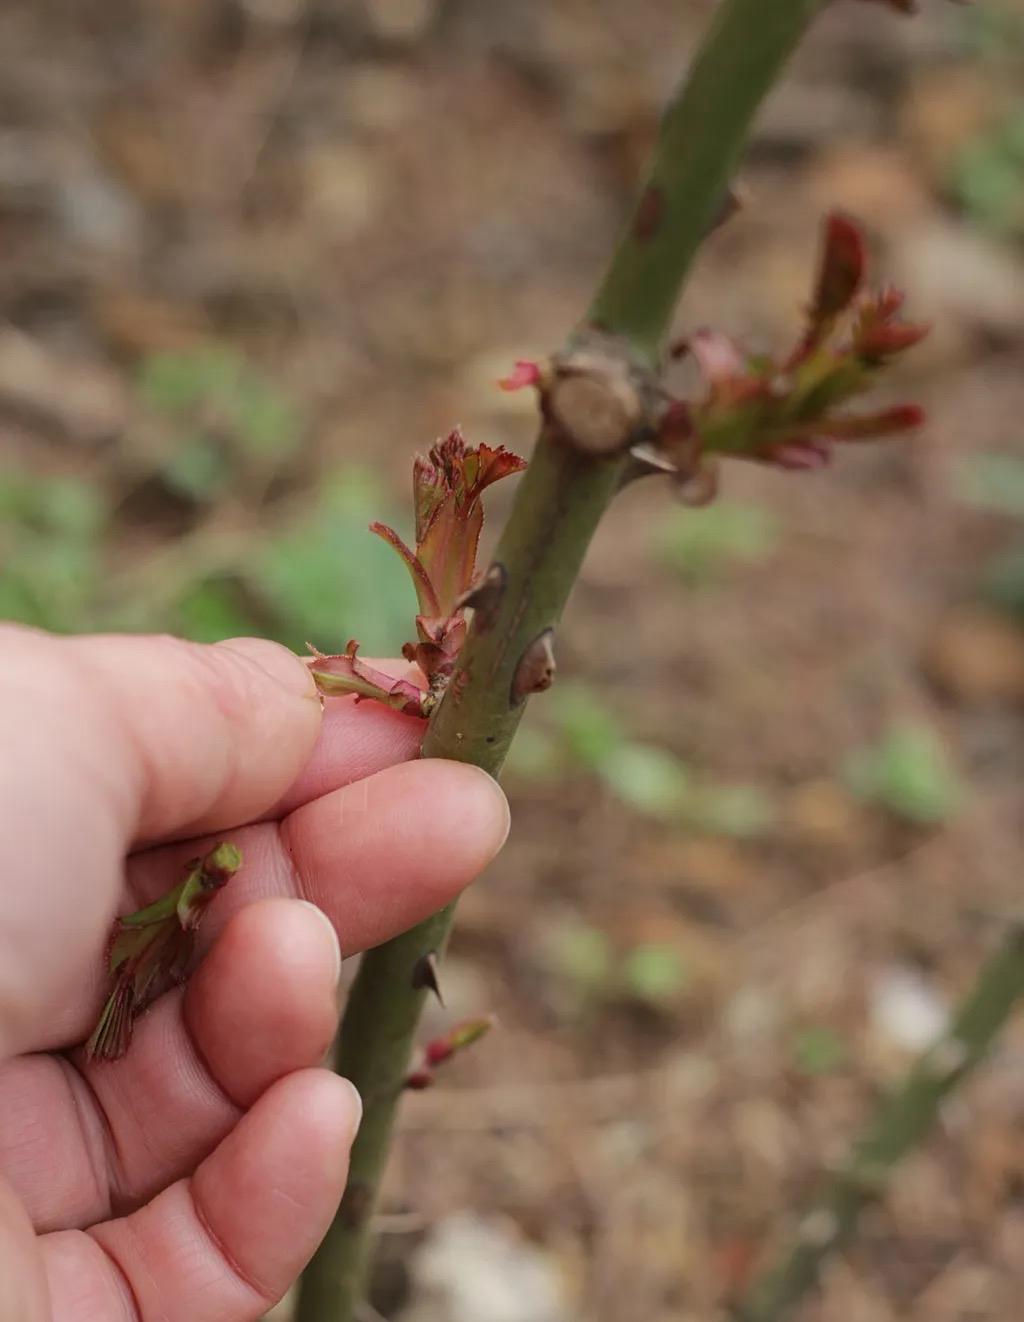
[(557, 508), (901, 1122)]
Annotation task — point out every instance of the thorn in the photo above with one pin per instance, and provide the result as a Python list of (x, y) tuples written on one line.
[(536, 669), (424, 974), (485, 597), (735, 199), (652, 458)]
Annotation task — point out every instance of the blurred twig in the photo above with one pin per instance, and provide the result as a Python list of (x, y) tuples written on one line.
[(902, 1121)]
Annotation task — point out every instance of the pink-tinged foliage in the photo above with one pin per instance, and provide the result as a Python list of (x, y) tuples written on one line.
[(441, 1049), (346, 673), (447, 486), (789, 410), (523, 374), (150, 950), (448, 483)]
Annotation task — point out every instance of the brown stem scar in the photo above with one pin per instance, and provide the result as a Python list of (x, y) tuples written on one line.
[(650, 212), (536, 669)]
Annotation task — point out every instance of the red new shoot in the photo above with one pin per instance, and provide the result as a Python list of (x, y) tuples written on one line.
[(447, 487), (151, 949)]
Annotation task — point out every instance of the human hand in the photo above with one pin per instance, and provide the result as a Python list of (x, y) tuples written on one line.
[(193, 1178)]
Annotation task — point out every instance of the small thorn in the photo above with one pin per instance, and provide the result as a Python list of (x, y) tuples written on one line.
[(650, 457), (734, 200), (424, 974), (485, 597), (536, 669)]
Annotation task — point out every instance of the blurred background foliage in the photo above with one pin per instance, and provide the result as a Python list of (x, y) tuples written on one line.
[(253, 254)]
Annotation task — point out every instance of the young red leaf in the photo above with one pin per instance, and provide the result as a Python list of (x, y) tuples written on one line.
[(523, 374), (840, 276), (786, 410), (449, 484), (346, 673), (424, 589)]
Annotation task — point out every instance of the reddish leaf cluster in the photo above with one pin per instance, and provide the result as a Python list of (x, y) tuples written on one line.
[(447, 487), (788, 410), (441, 1049)]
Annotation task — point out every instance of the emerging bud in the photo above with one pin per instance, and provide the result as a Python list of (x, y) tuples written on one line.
[(840, 277), (441, 1049), (523, 374), (457, 1039), (787, 410)]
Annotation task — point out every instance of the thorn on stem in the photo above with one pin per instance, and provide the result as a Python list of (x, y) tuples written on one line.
[(424, 974), (536, 669), (485, 597), (734, 200)]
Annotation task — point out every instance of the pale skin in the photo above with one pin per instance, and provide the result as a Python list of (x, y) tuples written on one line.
[(193, 1178)]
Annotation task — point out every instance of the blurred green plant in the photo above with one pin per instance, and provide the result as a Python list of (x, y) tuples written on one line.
[(50, 547), (818, 1050), (700, 545), (908, 772), (995, 482), (582, 734), (325, 571), (987, 175), (591, 972), (233, 421), (994, 31), (304, 568), (310, 577), (992, 482), (654, 974)]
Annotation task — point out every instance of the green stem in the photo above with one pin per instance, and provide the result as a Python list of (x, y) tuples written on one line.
[(901, 1122), (558, 505), (702, 136)]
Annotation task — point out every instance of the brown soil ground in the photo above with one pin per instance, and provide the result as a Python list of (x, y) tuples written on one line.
[(384, 205)]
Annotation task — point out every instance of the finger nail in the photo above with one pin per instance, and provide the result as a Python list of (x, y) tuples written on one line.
[(357, 1106), (335, 944), (503, 819)]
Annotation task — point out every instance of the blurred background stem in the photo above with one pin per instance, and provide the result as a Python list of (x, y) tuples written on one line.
[(901, 1122)]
